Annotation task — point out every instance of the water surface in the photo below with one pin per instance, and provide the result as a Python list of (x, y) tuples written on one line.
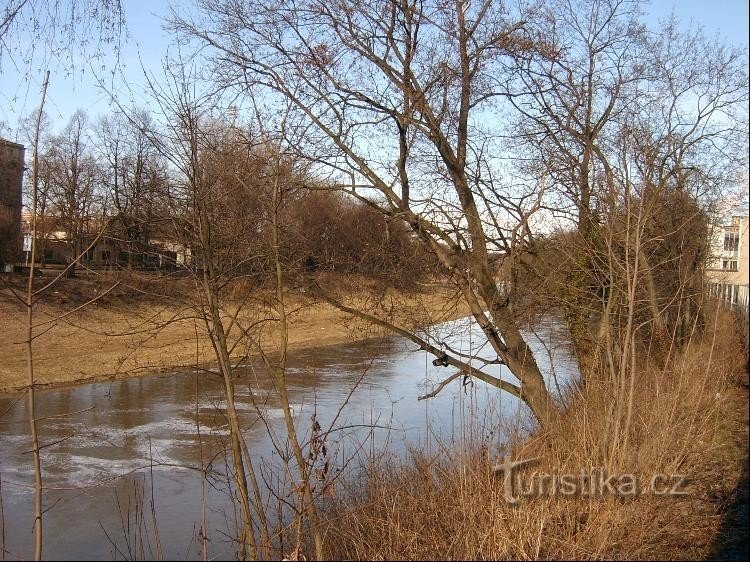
[(110, 442)]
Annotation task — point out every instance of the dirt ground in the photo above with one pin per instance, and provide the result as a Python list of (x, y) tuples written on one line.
[(130, 331)]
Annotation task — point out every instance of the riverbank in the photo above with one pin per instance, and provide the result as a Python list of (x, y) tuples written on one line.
[(130, 331), (683, 446)]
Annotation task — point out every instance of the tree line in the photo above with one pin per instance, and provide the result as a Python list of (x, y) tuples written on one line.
[(106, 180)]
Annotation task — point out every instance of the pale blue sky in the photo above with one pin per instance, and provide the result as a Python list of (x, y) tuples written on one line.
[(20, 91)]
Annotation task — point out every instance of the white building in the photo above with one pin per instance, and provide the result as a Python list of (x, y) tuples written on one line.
[(730, 249)]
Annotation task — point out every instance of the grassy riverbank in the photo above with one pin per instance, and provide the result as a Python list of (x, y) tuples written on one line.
[(135, 330), (688, 422)]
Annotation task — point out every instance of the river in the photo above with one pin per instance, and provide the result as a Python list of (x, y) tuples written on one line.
[(111, 443)]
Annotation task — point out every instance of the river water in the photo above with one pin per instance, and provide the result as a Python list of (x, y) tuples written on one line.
[(112, 444)]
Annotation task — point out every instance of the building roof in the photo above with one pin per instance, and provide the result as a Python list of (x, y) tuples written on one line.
[(10, 143)]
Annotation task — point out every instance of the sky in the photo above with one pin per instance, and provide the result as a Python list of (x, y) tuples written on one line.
[(147, 43)]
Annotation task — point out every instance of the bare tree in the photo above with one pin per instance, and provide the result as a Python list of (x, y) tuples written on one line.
[(216, 251), (38, 500), (135, 178), (394, 99), (60, 27), (37, 328), (618, 103), (566, 104), (74, 180)]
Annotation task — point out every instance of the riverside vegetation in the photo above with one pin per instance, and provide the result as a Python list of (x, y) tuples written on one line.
[(396, 164), (692, 420)]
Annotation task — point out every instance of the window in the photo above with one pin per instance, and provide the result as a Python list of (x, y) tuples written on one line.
[(731, 241), (729, 265), (733, 265), (106, 256)]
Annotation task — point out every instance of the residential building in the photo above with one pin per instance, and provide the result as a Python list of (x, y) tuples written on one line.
[(730, 252), (11, 181), (99, 249)]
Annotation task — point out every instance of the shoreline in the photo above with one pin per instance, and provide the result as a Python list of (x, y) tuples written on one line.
[(132, 339), (168, 371)]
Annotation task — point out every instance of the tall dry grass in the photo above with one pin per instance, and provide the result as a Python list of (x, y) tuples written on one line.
[(685, 420)]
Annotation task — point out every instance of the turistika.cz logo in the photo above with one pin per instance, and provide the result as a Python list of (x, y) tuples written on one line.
[(593, 482)]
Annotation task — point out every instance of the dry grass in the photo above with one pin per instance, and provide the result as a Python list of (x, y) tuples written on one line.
[(686, 420)]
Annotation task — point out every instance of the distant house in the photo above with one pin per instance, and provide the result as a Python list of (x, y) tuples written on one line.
[(11, 181), (99, 251), (729, 253)]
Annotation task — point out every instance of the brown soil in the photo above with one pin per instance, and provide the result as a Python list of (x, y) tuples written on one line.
[(132, 331)]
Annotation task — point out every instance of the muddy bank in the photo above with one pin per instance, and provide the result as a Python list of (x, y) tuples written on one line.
[(132, 333)]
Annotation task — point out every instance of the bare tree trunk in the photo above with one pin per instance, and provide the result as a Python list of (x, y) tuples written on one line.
[(221, 349), (218, 338), (30, 338), (304, 472)]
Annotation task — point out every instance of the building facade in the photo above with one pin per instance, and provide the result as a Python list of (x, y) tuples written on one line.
[(730, 252), (11, 181)]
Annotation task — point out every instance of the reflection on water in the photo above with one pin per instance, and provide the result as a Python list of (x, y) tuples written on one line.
[(108, 436)]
